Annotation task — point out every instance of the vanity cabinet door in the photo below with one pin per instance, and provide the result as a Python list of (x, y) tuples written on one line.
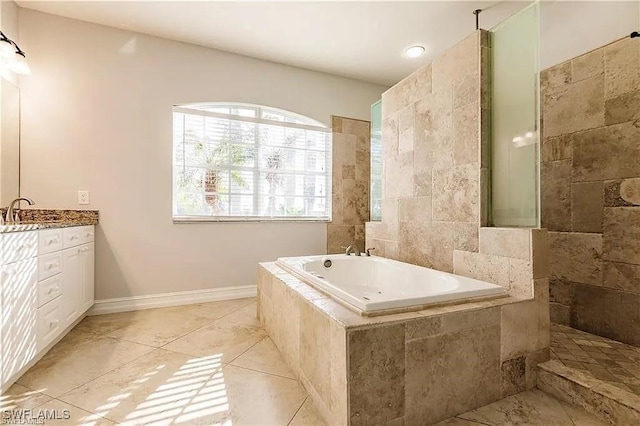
[(19, 300), (88, 275), (71, 285)]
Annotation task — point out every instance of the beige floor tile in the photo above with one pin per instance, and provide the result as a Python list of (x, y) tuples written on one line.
[(157, 327), (222, 338), (77, 359), (159, 387), (18, 397), (265, 357), (165, 387), (533, 408), (212, 310), (68, 415), (101, 325), (307, 416), (246, 315), (255, 398)]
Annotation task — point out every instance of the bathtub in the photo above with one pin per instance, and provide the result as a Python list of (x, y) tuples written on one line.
[(371, 284)]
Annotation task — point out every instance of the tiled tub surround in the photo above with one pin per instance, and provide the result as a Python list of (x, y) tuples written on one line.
[(590, 186), (435, 158), (425, 366), (412, 368), (435, 139), (350, 183)]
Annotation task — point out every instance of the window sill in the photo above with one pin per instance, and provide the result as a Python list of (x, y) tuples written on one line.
[(199, 219)]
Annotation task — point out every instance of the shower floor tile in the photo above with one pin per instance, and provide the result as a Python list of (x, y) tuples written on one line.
[(607, 360)]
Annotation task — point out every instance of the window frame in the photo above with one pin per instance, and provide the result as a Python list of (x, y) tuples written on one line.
[(203, 109)]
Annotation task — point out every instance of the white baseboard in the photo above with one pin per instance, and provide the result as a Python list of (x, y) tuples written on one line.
[(136, 303)]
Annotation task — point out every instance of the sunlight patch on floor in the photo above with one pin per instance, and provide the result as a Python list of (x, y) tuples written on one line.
[(194, 390)]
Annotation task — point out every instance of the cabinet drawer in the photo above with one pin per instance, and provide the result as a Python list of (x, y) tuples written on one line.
[(49, 322), (19, 245), (77, 235), (72, 236), (49, 265), (87, 233), (49, 240), (49, 289)]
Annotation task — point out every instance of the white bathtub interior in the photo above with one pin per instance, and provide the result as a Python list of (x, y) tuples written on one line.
[(373, 283)]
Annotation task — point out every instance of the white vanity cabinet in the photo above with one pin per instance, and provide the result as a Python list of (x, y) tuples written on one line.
[(18, 296), (47, 285), (78, 281)]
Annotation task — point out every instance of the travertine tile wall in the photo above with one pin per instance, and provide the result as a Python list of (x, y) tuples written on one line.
[(435, 137), (350, 183), (435, 158), (590, 189)]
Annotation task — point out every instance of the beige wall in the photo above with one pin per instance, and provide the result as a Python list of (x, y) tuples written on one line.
[(590, 189), (350, 183), (97, 116), (572, 28)]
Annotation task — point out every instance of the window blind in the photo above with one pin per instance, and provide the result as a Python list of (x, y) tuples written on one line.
[(240, 162)]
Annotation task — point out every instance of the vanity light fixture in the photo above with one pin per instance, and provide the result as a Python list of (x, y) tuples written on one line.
[(12, 57), (414, 51)]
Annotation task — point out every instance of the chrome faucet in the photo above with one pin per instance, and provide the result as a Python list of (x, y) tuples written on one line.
[(351, 249), (10, 215)]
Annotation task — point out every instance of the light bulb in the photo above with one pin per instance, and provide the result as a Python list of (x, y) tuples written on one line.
[(6, 50), (414, 51), (20, 65)]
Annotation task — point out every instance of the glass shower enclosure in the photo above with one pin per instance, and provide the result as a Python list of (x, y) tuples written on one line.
[(515, 120)]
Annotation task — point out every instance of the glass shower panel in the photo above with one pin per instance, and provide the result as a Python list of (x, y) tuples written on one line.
[(515, 120), (376, 162)]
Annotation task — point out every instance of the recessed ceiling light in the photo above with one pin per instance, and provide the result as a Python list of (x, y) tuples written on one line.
[(414, 51)]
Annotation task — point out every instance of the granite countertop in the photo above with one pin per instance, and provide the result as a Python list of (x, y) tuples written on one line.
[(32, 226), (34, 219)]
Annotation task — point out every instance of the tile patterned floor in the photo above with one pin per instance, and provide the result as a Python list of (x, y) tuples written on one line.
[(192, 365), (201, 364), (607, 360), (534, 408)]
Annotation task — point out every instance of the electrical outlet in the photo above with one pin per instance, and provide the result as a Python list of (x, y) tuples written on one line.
[(83, 197)]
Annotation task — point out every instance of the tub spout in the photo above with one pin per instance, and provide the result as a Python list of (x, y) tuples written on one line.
[(351, 249)]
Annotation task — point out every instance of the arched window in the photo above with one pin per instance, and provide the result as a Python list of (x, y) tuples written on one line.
[(249, 162)]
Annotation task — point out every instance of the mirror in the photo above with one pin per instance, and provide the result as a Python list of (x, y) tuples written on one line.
[(9, 142)]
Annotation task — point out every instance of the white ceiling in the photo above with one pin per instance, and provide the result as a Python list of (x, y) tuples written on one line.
[(364, 40)]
